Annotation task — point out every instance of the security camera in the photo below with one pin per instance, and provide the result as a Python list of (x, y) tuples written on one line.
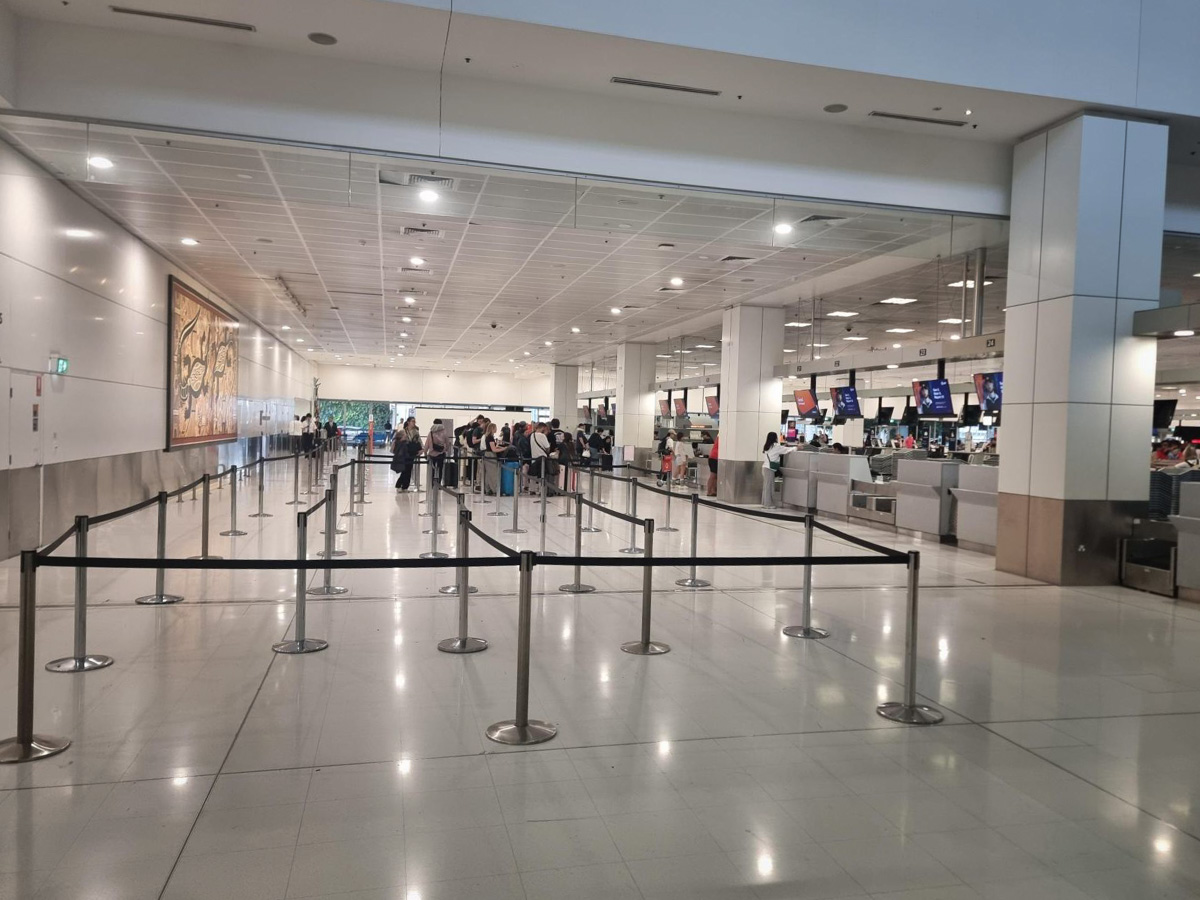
[(849, 327), (494, 325)]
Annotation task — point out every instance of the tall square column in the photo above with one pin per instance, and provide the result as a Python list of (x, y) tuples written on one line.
[(1085, 254), (635, 397), (751, 347), (564, 395)]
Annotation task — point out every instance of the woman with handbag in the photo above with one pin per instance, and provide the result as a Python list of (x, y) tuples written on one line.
[(772, 452), (406, 447), (437, 443)]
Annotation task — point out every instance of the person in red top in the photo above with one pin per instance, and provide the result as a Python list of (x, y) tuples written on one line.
[(711, 489), (909, 442)]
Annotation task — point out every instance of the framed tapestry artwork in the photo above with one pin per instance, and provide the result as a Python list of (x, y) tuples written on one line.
[(202, 363)]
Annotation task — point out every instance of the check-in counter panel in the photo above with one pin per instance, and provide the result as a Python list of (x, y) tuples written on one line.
[(833, 477), (1187, 526), (975, 502), (798, 485), (923, 500)]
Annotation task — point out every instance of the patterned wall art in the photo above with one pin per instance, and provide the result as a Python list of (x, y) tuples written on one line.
[(203, 363)]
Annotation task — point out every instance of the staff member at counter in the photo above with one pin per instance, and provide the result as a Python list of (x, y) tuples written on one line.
[(773, 451)]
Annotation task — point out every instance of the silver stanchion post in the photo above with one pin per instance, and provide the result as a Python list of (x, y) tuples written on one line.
[(631, 508), (220, 482), (692, 580), (433, 530), (589, 527), (462, 643), (460, 572), (327, 586), (569, 511), (910, 712), (805, 629), (296, 501), (27, 746), (645, 646), (432, 487), (81, 661), (542, 545), (481, 462), (333, 486), (205, 509), (302, 643), (521, 729), (355, 477), (365, 467), (498, 512), (160, 597), (577, 586), (262, 478), (668, 527), (516, 516), (233, 531)]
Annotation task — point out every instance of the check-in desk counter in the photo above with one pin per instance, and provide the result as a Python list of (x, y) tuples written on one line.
[(1187, 527), (834, 476), (975, 507), (797, 469), (873, 502), (924, 503)]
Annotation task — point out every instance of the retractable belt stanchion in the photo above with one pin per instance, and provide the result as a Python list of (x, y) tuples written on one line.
[(327, 586), (296, 501), (262, 477), (81, 660), (233, 530), (481, 462), (516, 516), (542, 546), (364, 468), (355, 477), (498, 512), (910, 712), (462, 643), (433, 530), (205, 509), (521, 729), (692, 580), (667, 527), (577, 586), (567, 513), (461, 572), (589, 527), (27, 746), (432, 488), (309, 489), (645, 646), (160, 597), (632, 510), (302, 643), (805, 629)]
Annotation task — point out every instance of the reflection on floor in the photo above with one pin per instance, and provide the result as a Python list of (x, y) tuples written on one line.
[(743, 764)]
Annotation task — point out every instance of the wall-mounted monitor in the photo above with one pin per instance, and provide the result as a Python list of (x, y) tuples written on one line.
[(664, 408), (845, 403), (714, 405), (990, 388), (911, 417), (970, 415), (884, 415), (807, 406), (680, 407), (932, 398), (1164, 412)]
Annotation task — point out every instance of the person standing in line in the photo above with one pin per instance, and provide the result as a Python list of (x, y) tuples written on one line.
[(683, 453), (506, 434), (539, 450), (773, 451), (492, 450), (713, 456), (306, 434), (406, 447), (437, 443)]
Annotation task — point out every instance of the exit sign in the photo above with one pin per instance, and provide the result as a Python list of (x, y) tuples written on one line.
[(61, 364)]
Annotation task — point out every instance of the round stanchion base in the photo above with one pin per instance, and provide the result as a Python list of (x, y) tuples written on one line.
[(693, 582), (82, 664), (321, 553), (261, 515), (296, 503), (42, 745), (430, 531), (591, 529), (577, 588), (509, 732), (665, 528), (233, 533), (631, 550), (462, 645), (909, 715), (210, 556), (438, 555), (308, 645), (498, 514), (158, 599), (547, 553), (566, 515), (354, 514), (453, 589), (805, 631), (515, 531), (321, 590), (652, 648), (335, 531)]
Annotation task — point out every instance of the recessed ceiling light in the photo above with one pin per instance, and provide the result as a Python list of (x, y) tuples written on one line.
[(967, 112), (100, 162), (527, 353), (786, 350), (657, 356), (796, 324), (574, 329), (311, 349), (900, 330), (818, 345), (299, 340), (189, 242), (616, 310), (1197, 275), (410, 299), (417, 261), (841, 314), (79, 233), (320, 37), (404, 334), (950, 321), (428, 195), (818, 356), (548, 343), (676, 281), (970, 284), (955, 337), (406, 319), (285, 327), (835, 108), (895, 346), (1181, 390), (855, 337), (783, 228), (893, 366), (705, 346), (512, 360), (899, 301), (1184, 332)]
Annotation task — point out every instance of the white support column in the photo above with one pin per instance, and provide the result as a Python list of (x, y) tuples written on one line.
[(635, 396), (1085, 254), (752, 345), (564, 390)]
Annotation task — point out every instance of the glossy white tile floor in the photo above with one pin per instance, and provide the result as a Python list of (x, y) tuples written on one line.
[(741, 765)]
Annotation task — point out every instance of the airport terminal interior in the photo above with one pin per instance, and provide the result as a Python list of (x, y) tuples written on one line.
[(625, 451)]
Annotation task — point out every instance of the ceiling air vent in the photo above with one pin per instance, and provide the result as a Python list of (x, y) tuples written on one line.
[(176, 17), (411, 271), (921, 120), (663, 86), (819, 218), (737, 259), (668, 290), (421, 232), (414, 179)]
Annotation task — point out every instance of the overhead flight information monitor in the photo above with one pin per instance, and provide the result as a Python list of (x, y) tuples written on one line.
[(932, 398)]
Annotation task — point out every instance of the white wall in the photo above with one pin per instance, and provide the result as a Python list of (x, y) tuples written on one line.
[(8, 56), (101, 302), (126, 76), (431, 386)]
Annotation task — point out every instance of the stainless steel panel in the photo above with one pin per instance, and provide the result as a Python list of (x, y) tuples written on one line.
[(739, 481)]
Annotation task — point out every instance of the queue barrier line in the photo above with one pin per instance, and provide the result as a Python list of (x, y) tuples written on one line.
[(492, 542)]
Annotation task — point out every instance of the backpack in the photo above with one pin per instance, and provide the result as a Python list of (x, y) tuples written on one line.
[(662, 446)]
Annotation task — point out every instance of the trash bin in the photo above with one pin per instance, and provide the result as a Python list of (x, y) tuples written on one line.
[(508, 476)]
